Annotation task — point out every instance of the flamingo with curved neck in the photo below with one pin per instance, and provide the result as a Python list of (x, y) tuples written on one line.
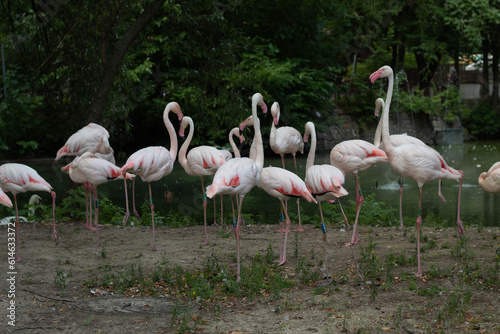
[(325, 182), (200, 161), (490, 181), (239, 175), (421, 163), (154, 162), (396, 140)]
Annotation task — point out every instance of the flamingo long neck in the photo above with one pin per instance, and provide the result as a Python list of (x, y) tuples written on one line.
[(385, 117), (272, 135), (378, 134), (236, 151), (312, 150), (171, 132), (185, 145), (257, 139)]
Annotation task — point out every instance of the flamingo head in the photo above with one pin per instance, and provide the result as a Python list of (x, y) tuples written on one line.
[(308, 131), (383, 72), (175, 108), (275, 112), (184, 123), (258, 100), (245, 123), (379, 104)]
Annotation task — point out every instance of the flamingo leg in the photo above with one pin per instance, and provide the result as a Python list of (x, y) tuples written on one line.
[(152, 217), (323, 228), (237, 233), (205, 211), (283, 255), (96, 217), (401, 188), (352, 249), (359, 203), (18, 249), (232, 207), (460, 226), (419, 223), (221, 210), (440, 194), (300, 228), (281, 230), (215, 213), (127, 212), (85, 186), (133, 199), (54, 232)]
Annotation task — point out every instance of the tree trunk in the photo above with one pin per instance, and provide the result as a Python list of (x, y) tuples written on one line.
[(426, 70), (112, 66), (484, 91), (495, 50)]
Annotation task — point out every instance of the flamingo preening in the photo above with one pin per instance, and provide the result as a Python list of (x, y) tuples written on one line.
[(323, 181), (490, 180), (285, 140), (91, 138), (239, 175), (353, 156), (421, 163), (396, 140), (200, 161), (19, 178), (88, 168), (153, 162)]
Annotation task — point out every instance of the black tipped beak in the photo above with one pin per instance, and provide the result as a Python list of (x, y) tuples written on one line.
[(370, 83), (241, 132)]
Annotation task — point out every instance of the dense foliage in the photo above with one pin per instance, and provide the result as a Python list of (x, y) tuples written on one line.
[(118, 62)]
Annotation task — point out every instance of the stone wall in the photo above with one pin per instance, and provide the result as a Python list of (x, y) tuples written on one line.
[(428, 128)]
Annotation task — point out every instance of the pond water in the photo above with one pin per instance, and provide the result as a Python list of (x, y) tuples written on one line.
[(181, 193)]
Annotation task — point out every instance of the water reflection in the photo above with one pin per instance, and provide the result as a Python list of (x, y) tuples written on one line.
[(181, 193)]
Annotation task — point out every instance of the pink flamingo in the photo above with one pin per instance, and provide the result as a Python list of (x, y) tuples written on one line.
[(284, 140), (234, 132), (418, 162), (88, 168), (91, 138), (397, 140), (353, 156), (200, 161), (239, 175), (19, 178), (490, 181), (154, 162), (323, 181), (283, 184), (4, 199)]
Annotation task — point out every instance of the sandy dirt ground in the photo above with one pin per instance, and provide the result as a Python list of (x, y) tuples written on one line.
[(43, 306)]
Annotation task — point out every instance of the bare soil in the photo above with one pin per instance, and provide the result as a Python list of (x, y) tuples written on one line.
[(345, 307)]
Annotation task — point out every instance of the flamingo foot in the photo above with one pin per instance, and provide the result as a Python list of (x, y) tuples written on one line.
[(460, 228), (92, 228), (441, 197), (96, 245), (18, 260), (299, 229), (418, 274), (56, 238), (282, 262), (352, 243), (154, 249)]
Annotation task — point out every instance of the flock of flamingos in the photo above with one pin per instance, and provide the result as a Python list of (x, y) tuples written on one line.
[(94, 165)]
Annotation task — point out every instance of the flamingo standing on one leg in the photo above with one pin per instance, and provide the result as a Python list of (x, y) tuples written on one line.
[(283, 184), (200, 161), (239, 175), (490, 181), (234, 132), (154, 162), (19, 178), (323, 181), (397, 140), (353, 156), (88, 168), (421, 163), (284, 140)]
